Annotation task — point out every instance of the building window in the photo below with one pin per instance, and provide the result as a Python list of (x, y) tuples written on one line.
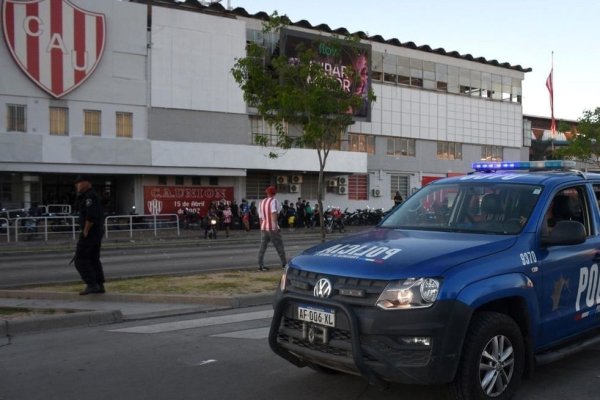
[(401, 147), (263, 133), (310, 187), (213, 180), (358, 187), (491, 153), (162, 180), (449, 151), (91, 122), (124, 124), (59, 121), (256, 185), (400, 70), (399, 183), (361, 143), (179, 180), (196, 180), (16, 117)]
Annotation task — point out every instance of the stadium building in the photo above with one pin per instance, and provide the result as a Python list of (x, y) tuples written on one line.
[(140, 96)]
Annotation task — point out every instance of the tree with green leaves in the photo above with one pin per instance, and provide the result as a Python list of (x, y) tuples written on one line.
[(301, 90), (584, 146)]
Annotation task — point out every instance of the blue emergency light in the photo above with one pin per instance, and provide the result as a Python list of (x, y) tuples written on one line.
[(521, 165)]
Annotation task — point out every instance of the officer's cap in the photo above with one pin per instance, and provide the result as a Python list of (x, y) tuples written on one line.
[(81, 178)]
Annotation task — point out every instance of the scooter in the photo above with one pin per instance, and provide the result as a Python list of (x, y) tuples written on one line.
[(212, 232)]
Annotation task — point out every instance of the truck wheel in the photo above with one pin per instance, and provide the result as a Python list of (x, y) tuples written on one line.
[(492, 361)]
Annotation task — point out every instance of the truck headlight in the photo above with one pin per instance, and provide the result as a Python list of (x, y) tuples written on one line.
[(409, 293)]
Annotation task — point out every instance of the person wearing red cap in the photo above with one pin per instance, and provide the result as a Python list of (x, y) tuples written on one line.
[(268, 211)]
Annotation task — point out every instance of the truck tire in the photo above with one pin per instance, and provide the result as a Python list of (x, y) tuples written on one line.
[(492, 360)]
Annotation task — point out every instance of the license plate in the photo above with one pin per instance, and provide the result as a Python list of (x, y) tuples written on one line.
[(315, 315)]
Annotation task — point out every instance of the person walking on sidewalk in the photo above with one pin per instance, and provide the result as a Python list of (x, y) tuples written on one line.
[(269, 228), (91, 221)]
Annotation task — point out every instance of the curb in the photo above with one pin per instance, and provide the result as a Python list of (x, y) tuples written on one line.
[(84, 318), (233, 302), (9, 328)]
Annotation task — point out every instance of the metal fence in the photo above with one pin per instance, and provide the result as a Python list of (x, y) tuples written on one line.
[(137, 224), (29, 228), (66, 227), (5, 228)]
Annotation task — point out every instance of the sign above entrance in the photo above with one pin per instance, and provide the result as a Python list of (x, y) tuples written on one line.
[(179, 199), (57, 44)]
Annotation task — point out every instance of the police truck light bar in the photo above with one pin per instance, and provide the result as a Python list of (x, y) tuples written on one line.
[(514, 165)]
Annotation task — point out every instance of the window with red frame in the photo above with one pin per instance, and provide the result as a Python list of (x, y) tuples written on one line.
[(358, 187)]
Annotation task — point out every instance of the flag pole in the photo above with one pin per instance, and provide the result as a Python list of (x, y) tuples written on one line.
[(550, 86)]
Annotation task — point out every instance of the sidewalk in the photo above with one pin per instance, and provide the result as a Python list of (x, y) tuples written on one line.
[(74, 310)]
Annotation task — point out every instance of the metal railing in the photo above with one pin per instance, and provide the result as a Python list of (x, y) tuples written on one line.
[(4, 224), (29, 228), (141, 223), (57, 209), (66, 226)]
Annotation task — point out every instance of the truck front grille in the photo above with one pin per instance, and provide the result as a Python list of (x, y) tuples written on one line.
[(351, 291)]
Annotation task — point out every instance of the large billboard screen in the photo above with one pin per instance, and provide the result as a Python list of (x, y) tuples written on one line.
[(335, 60)]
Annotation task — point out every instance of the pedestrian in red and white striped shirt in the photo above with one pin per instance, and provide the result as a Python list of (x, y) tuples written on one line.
[(268, 210)]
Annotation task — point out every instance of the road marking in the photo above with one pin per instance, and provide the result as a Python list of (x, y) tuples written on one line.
[(206, 362), (258, 333), (196, 323)]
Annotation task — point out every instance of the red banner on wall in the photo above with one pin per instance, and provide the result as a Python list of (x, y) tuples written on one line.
[(175, 199)]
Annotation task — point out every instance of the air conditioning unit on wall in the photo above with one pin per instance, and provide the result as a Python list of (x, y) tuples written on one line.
[(296, 178), (294, 188), (376, 192), (342, 189), (332, 183), (282, 180), (343, 180)]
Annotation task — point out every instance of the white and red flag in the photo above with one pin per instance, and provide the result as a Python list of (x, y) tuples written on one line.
[(57, 44), (550, 86)]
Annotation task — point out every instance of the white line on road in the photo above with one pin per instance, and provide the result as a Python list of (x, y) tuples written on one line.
[(196, 323), (258, 333), (206, 362)]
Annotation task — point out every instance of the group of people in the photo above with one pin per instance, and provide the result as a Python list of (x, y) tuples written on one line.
[(298, 215), (224, 214)]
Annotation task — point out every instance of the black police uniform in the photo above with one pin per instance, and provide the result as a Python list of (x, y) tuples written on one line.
[(87, 256)]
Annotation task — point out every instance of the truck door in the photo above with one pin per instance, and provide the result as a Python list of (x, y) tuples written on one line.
[(570, 273)]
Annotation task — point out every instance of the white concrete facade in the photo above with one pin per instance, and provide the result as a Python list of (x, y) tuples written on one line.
[(183, 65)]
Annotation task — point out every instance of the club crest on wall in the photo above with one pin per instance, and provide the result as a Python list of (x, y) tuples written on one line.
[(57, 44)]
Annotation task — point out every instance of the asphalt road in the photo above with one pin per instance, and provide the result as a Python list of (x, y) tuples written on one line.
[(34, 263), (215, 356)]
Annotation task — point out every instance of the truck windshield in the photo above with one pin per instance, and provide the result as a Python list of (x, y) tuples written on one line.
[(476, 207)]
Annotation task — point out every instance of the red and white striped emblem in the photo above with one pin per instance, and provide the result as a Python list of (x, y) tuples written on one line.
[(57, 44)]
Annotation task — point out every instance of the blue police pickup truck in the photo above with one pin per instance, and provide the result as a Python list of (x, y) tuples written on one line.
[(472, 281)]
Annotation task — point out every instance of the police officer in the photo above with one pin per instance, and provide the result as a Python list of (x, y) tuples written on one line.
[(91, 221)]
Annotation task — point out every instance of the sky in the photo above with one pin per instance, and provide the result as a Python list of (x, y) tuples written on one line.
[(535, 34)]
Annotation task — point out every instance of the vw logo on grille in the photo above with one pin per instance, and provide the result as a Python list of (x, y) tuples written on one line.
[(323, 288)]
